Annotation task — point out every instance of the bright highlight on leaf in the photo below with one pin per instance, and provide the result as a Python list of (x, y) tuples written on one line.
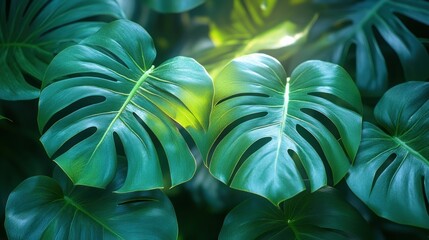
[(45, 208), (105, 93), (31, 32), (269, 133), (391, 172), (250, 27)]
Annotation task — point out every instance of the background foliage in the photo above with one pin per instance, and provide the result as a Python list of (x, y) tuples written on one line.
[(381, 44)]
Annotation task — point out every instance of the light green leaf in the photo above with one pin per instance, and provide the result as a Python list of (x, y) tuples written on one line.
[(391, 172), (250, 27), (173, 6), (269, 132), (31, 32), (106, 86), (323, 214), (45, 208), (352, 34)]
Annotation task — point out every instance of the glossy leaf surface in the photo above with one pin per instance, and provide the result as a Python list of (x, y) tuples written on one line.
[(106, 86), (173, 6), (270, 132), (45, 208), (391, 171), (31, 32), (365, 31), (323, 214)]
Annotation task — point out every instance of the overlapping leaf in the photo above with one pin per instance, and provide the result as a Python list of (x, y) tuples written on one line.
[(106, 86), (45, 208), (269, 132), (31, 32), (353, 34), (323, 214), (391, 172)]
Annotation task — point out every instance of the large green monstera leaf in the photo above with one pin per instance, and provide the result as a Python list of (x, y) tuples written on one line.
[(391, 172), (323, 214), (52, 208), (31, 32), (358, 31), (269, 132), (105, 88)]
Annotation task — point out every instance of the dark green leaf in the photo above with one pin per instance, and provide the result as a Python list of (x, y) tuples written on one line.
[(269, 132), (323, 214), (173, 6), (353, 34), (46, 208), (391, 172), (107, 86), (31, 32)]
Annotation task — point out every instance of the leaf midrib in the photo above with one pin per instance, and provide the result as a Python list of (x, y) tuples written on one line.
[(283, 121), (124, 105), (71, 202), (408, 148)]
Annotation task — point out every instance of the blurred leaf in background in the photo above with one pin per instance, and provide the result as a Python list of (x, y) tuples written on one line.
[(242, 27), (367, 37)]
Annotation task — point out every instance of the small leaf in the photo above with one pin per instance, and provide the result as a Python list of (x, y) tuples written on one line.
[(323, 214), (173, 6), (31, 32), (391, 171), (351, 34), (46, 208), (269, 133), (106, 86)]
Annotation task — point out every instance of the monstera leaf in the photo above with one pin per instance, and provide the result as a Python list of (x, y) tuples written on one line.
[(31, 32), (359, 31), (45, 208), (173, 6), (323, 214), (391, 172), (270, 132), (251, 26), (106, 86)]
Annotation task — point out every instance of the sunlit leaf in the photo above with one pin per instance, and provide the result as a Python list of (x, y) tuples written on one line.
[(31, 32), (45, 208), (391, 171), (270, 132), (106, 86), (323, 214), (251, 26), (361, 34)]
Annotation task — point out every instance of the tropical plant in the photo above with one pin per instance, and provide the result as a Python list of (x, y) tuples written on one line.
[(203, 134)]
